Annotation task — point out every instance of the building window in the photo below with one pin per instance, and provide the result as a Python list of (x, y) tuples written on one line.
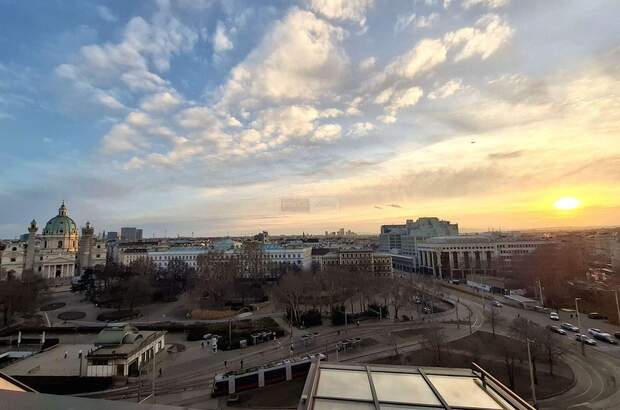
[(12, 259), (40, 258), (14, 249), (98, 256), (60, 244)]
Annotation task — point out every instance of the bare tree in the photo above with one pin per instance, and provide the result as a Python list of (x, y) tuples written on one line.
[(138, 290), (434, 340), (510, 356), (550, 346), (493, 317)]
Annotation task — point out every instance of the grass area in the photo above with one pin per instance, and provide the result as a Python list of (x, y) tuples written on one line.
[(488, 351)]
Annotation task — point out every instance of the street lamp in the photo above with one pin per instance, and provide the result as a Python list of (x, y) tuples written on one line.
[(529, 358), (583, 349)]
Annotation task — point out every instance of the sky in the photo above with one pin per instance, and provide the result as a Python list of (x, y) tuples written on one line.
[(231, 117)]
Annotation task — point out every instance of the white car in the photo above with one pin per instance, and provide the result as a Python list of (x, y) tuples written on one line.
[(554, 316), (496, 303)]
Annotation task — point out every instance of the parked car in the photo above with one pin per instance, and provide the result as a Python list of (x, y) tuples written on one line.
[(585, 339), (557, 329), (554, 316), (541, 309), (496, 303), (570, 327), (427, 309), (617, 334), (596, 315)]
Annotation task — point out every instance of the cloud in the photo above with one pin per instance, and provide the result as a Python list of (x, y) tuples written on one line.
[(490, 4), (106, 14), (351, 10), (161, 102), (505, 155), (447, 89), (394, 205), (221, 42), (361, 129), (367, 63), (427, 21), (489, 34), (298, 59), (327, 132), (427, 54), (404, 98), (403, 21)]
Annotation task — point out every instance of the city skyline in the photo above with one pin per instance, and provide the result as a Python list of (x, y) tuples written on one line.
[(226, 118)]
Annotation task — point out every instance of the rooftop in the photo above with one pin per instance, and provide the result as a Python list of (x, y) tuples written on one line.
[(52, 362), (343, 387)]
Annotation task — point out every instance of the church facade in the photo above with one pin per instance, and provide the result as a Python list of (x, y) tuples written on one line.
[(58, 252)]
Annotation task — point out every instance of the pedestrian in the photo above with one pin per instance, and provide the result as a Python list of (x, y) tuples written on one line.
[(357, 322), (65, 354), (160, 372), (241, 363), (202, 345), (226, 363)]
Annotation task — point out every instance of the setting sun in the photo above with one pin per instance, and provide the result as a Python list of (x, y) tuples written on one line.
[(567, 202)]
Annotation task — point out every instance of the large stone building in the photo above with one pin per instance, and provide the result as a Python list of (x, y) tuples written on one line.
[(402, 238), (379, 263), (58, 252), (456, 257)]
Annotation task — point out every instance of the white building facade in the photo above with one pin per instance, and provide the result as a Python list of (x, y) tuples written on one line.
[(58, 252), (455, 257)]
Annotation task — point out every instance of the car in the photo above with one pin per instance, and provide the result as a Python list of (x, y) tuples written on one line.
[(601, 335), (426, 309), (606, 337), (617, 334), (557, 329), (495, 303), (570, 327), (594, 331), (541, 309), (596, 316), (585, 339), (554, 316)]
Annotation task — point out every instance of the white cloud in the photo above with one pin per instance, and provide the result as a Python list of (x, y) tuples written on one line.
[(385, 95), (387, 119), (367, 63), (491, 4), (327, 132), (489, 34), (361, 129), (404, 98), (163, 101), (282, 123), (352, 10), (106, 14), (403, 21), (299, 59), (221, 42), (447, 89), (427, 21), (427, 54)]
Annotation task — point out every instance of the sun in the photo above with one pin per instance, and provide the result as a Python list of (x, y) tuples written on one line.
[(567, 202)]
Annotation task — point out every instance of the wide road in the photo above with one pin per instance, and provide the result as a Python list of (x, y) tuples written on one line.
[(597, 373)]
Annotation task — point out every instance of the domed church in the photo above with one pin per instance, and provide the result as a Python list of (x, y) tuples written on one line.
[(58, 252)]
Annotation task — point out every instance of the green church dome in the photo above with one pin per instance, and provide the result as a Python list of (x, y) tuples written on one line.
[(60, 224)]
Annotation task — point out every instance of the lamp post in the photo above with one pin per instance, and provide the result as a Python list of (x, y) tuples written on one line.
[(529, 358), (583, 349)]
